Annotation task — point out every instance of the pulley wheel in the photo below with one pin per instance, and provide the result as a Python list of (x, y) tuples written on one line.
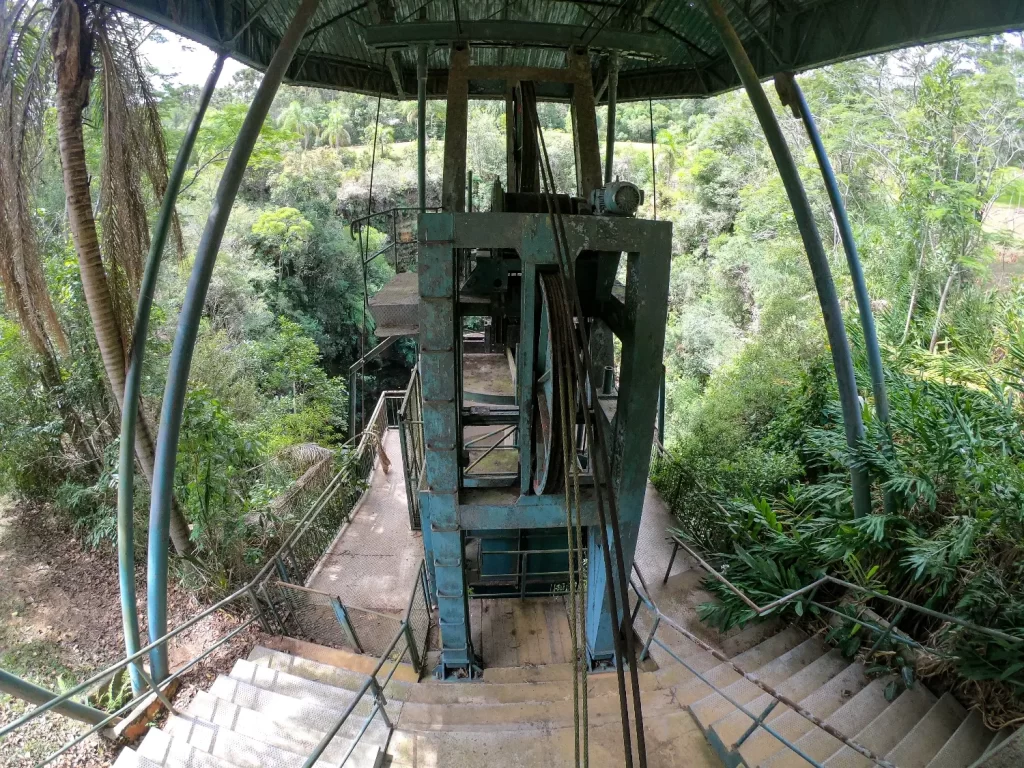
[(547, 413)]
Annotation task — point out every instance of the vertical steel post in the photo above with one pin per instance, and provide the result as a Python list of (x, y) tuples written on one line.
[(794, 97), (421, 126), (188, 328), (613, 92), (830, 309), (133, 381), (661, 409)]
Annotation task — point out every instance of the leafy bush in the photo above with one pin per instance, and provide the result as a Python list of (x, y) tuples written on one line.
[(956, 472)]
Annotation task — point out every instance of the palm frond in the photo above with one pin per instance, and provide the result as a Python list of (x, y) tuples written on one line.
[(23, 28)]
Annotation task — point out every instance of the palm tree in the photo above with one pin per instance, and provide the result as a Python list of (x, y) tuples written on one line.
[(299, 119), (22, 105), (72, 45), (334, 129)]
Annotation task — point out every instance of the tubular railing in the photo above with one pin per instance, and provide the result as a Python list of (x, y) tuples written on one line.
[(410, 425), (758, 719), (259, 601), (373, 687), (807, 592), (397, 224)]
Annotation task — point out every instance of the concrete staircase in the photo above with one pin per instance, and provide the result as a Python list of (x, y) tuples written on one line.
[(274, 707), (914, 730)]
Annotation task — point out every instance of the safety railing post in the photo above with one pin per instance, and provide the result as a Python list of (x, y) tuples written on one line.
[(381, 700), (342, 616), (650, 637), (756, 724), (258, 608), (273, 609), (414, 654)]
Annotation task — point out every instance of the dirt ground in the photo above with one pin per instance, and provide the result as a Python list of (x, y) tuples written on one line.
[(60, 623)]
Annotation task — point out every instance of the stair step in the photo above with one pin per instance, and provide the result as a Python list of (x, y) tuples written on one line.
[(673, 740), (545, 673), (851, 718), (131, 759), (755, 632), (301, 688), (888, 729), (822, 703), (159, 749), (307, 668), (299, 712), (715, 706), (749, 661), (806, 681), (528, 715), (273, 731), (245, 752), (929, 736), (1001, 736), (673, 674), (339, 658), (966, 745)]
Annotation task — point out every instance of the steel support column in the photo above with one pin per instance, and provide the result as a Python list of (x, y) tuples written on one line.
[(826, 289), (453, 181), (613, 91), (440, 359), (793, 96), (133, 380), (188, 328), (421, 126), (647, 278)]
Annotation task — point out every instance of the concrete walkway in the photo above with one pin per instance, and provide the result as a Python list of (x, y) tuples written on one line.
[(374, 561)]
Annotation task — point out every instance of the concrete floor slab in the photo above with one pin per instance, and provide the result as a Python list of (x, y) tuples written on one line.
[(374, 561)]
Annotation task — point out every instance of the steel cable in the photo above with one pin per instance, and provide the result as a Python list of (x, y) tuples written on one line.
[(596, 437)]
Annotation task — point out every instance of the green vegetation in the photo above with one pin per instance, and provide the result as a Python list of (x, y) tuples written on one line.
[(927, 144)]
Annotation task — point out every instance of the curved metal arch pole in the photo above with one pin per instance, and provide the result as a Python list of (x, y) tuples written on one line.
[(133, 380), (793, 96), (188, 328), (831, 312)]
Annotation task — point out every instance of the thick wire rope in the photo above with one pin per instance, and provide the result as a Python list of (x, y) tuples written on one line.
[(568, 438), (654, 167), (366, 294), (561, 369), (557, 350), (598, 439)]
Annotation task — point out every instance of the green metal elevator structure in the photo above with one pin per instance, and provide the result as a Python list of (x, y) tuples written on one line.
[(499, 265)]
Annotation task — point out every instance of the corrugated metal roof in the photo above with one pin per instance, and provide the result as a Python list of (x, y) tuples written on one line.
[(668, 48)]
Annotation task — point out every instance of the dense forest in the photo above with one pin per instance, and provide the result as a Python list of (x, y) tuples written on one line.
[(928, 144)]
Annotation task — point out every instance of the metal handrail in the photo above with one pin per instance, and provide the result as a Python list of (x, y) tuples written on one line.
[(245, 592), (372, 685), (356, 224), (660, 619), (761, 610)]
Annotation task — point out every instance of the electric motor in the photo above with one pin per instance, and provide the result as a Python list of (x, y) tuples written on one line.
[(619, 198)]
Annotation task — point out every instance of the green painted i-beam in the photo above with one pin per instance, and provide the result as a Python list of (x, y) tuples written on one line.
[(831, 311), (188, 328)]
